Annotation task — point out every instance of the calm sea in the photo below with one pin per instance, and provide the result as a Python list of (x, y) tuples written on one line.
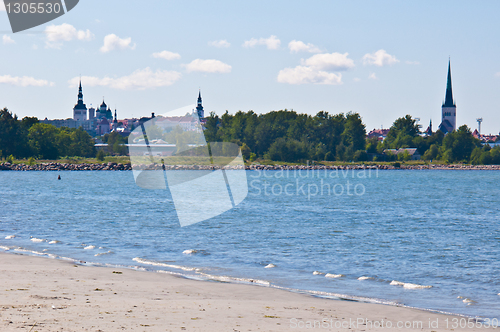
[(425, 239)]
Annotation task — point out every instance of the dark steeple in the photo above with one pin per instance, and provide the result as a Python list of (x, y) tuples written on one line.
[(80, 105), (199, 107), (448, 102)]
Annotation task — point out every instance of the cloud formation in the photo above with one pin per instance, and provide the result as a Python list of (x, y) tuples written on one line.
[(379, 58), (208, 66), (329, 61), (57, 34), (497, 74), (372, 76), (113, 42), (166, 55), (24, 81), (272, 43), (140, 79), (308, 75), (220, 43), (318, 69), (296, 46), (7, 40)]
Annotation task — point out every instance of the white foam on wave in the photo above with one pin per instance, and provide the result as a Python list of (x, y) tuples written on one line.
[(10, 237), (31, 251), (104, 253), (234, 279), (34, 239), (189, 251), (364, 278), (54, 242), (331, 275), (269, 266), (408, 285), (173, 266), (89, 247), (7, 249), (317, 273), (467, 300)]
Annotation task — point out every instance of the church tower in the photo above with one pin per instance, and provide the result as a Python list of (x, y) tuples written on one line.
[(199, 108), (80, 109), (449, 109)]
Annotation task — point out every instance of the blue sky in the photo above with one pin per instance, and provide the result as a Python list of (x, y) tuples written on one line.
[(383, 59)]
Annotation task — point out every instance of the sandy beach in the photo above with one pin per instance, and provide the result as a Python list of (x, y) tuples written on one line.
[(42, 294)]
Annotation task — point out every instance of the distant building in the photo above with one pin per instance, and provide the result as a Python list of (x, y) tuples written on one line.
[(428, 131), (381, 134), (199, 108), (449, 109), (80, 109), (413, 152)]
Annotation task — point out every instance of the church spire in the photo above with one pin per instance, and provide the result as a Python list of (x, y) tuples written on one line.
[(448, 102)]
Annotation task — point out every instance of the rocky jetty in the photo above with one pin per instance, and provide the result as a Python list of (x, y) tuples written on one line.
[(127, 167), (65, 167)]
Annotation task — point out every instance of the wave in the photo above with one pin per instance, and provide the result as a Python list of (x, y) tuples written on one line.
[(269, 266), (331, 275), (365, 278), (173, 266), (104, 253), (234, 279), (36, 240), (317, 273), (89, 247), (10, 237), (408, 285), (7, 249), (189, 251), (54, 242)]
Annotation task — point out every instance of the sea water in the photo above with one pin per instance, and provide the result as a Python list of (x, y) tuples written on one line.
[(427, 239)]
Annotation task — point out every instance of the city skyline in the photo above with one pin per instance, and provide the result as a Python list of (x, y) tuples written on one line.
[(382, 60)]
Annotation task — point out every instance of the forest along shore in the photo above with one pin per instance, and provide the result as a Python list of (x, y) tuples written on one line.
[(127, 167)]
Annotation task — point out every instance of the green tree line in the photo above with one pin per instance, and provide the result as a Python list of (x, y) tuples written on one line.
[(278, 135), (29, 138), (289, 136)]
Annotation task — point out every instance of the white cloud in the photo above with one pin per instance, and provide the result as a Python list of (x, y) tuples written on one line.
[(296, 46), (24, 81), (372, 76), (113, 42), (329, 61), (220, 43), (307, 75), (272, 43), (167, 55), (412, 62), (379, 58), (8, 40), (208, 66), (56, 34), (356, 79), (497, 74), (317, 70), (140, 79)]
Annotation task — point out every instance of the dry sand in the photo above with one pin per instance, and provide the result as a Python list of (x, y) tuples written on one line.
[(42, 294)]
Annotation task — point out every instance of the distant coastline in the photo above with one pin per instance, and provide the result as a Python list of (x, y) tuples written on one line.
[(111, 166)]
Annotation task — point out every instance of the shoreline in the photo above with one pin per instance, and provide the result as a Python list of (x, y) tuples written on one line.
[(110, 166), (56, 293)]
